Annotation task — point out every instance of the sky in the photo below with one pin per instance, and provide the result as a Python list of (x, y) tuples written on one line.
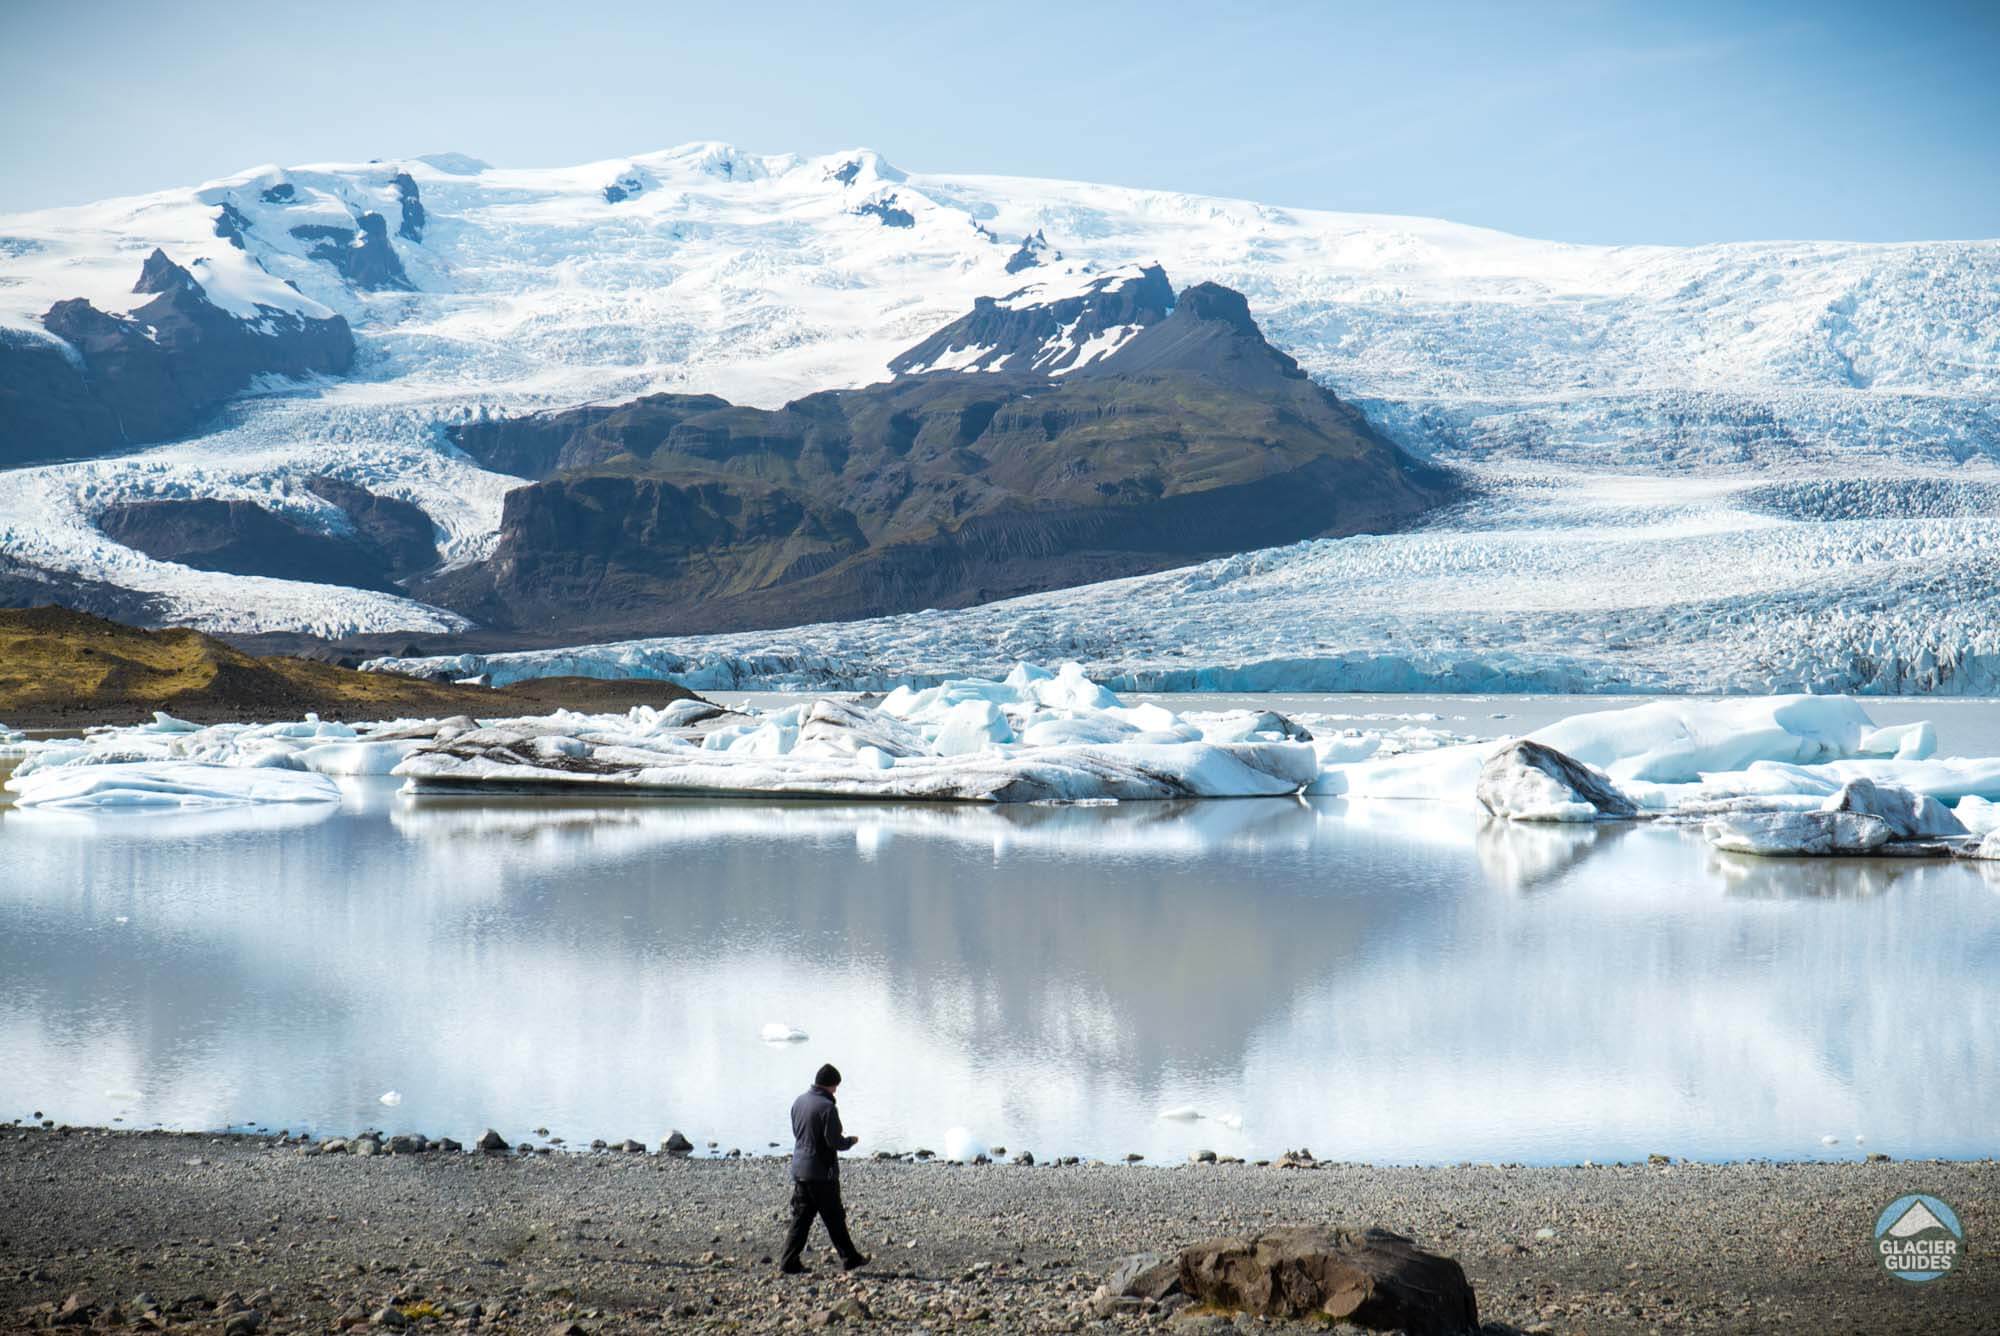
[(1597, 122)]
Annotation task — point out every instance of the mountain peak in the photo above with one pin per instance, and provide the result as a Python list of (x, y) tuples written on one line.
[(1210, 332), (160, 274), (1212, 301), (1050, 327)]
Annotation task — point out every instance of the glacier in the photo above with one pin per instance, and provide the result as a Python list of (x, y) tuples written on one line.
[(1751, 468)]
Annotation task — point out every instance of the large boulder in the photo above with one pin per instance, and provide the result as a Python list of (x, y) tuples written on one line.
[(1526, 781), (1368, 1277)]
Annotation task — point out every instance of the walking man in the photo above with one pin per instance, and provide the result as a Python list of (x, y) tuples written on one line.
[(817, 1143)]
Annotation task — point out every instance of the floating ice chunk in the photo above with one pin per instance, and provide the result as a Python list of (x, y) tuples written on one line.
[(1815, 834), (1907, 813), (1829, 1140), (963, 1147), (842, 728), (1446, 774), (166, 723), (1184, 1113), (1676, 741), (777, 1032), (390, 1097), (166, 784), (1526, 781), (1248, 726), (1232, 1121), (355, 758), (1902, 742), (1347, 748), (493, 759), (13, 742), (971, 726), (1072, 730), (1977, 814)]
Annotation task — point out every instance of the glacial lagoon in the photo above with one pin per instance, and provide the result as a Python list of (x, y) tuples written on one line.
[(1385, 981)]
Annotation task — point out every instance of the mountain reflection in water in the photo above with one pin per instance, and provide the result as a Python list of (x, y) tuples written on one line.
[(1385, 981)]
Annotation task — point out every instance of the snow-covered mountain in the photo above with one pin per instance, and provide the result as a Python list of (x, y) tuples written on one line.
[(1742, 393)]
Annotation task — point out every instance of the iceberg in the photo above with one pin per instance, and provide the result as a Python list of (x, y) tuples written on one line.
[(1035, 736), (1527, 781), (169, 784)]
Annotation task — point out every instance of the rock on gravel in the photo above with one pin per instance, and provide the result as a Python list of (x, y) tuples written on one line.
[(1368, 1277)]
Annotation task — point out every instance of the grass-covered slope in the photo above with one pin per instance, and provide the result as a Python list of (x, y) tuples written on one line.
[(59, 667)]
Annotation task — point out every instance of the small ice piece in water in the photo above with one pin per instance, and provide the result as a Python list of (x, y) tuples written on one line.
[(777, 1032), (1185, 1113), (963, 1147), (121, 919), (1232, 1121), (391, 1097), (1829, 1140)]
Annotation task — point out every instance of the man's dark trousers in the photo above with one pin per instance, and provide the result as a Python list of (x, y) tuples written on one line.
[(820, 1199)]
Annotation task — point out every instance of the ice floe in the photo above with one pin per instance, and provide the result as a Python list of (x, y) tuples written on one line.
[(1036, 736), (166, 784), (1780, 775), (777, 1032)]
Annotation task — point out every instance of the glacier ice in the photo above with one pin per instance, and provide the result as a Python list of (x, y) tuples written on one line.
[(1529, 781), (165, 784), (1666, 435)]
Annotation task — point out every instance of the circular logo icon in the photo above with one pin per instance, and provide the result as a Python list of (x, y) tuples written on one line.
[(1918, 1238)]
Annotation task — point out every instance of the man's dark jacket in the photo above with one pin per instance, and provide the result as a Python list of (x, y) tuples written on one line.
[(817, 1137)]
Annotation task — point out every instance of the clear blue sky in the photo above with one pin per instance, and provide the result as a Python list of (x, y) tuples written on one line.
[(1613, 122)]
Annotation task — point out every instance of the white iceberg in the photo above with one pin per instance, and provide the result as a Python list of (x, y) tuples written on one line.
[(1527, 781), (1182, 1113), (169, 784), (1816, 834), (1038, 736), (777, 1032), (390, 1097)]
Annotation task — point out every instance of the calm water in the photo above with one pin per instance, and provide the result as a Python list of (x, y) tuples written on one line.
[(1393, 982)]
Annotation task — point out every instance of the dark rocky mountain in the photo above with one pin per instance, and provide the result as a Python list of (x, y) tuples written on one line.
[(388, 539), (1016, 334), (683, 513), (151, 375), (362, 253)]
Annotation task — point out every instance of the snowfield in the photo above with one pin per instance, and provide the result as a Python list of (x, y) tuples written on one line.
[(1751, 467)]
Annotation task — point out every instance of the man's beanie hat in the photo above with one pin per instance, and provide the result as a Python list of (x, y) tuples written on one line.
[(829, 1075)]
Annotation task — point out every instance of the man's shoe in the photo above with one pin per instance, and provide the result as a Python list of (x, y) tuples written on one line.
[(794, 1269), (854, 1263)]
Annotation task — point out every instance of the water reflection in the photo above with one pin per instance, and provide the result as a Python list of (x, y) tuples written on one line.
[(1382, 981)]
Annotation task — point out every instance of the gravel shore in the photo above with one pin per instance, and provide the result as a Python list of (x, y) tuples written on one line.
[(209, 1228)]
